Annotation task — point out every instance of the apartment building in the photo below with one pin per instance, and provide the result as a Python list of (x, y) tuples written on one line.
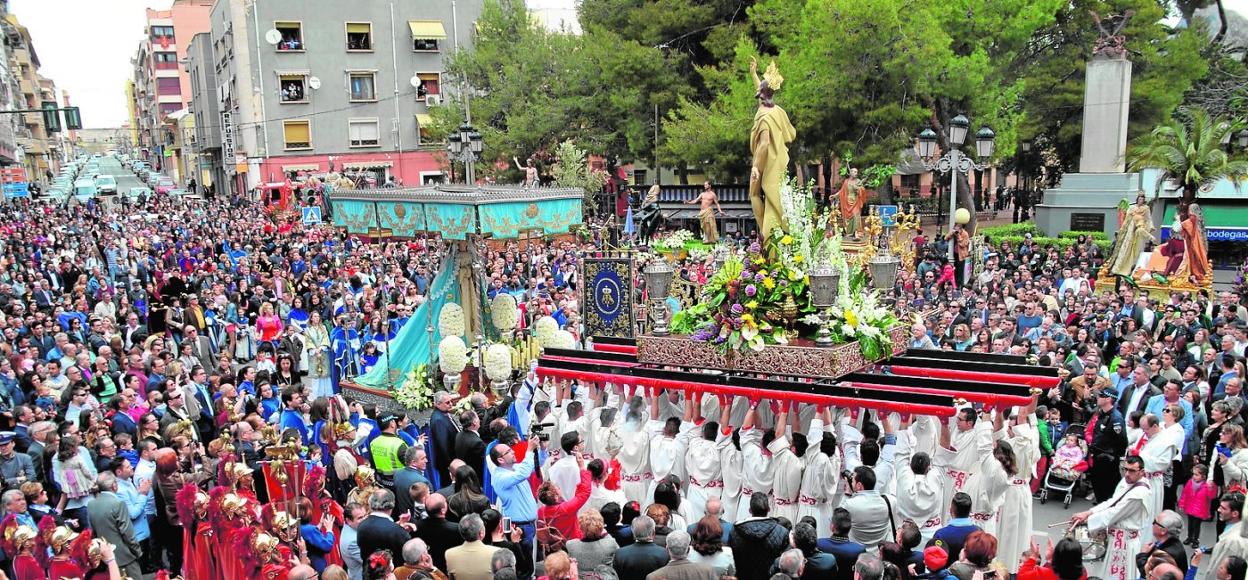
[(206, 112), (32, 139), (161, 84), (307, 88)]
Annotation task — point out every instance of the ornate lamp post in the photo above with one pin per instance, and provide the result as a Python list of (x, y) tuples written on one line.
[(985, 142), (464, 146), (658, 274)]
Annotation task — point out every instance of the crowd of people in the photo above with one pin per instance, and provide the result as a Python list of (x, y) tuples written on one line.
[(170, 394)]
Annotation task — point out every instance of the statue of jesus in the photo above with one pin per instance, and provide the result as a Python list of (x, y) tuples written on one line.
[(769, 142)]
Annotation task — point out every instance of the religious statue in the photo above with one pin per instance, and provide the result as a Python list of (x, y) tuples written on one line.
[(769, 139), (1111, 42), (710, 229), (1194, 269), (850, 198), (649, 216), (530, 172), (1137, 231)]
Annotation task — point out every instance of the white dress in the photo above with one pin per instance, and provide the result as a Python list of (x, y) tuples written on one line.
[(1122, 517), (958, 467), (730, 461)]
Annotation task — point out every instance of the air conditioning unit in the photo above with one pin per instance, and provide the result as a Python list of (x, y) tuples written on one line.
[(433, 100)]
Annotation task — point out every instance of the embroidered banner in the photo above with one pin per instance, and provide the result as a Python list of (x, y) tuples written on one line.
[(609, 300)]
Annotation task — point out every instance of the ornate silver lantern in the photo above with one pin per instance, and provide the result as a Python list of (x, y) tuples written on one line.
[(658, 274), (825, 282), (884, 271)]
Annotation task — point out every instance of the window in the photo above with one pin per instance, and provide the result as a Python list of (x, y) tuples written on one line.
[(426, 34), (359, 36), (166, 108), (298, 134), (294, 88), (363, 132), (361, 85), (168, 86), (162, 31), (165, 57), (292, 36), (430, 84)]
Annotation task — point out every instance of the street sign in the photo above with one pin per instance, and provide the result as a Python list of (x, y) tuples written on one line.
[(888, 215), (227, 135), (20, 189), (12, 174), (311, 216)]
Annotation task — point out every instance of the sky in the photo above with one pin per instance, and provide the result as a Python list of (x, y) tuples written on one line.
[(86, 45)]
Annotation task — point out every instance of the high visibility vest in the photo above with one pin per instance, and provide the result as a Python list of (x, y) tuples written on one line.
[(385, 452)]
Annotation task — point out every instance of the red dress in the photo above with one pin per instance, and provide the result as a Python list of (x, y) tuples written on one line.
[(1032, 570)]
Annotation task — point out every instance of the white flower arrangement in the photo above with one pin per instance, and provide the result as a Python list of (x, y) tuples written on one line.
[(563, 339), (416, 392), (672, 242), (452, 355), (503, 312), (545, 328), (451, 320), (498, 362)]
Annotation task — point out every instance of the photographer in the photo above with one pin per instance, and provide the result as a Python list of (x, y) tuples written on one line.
[(514, 465)]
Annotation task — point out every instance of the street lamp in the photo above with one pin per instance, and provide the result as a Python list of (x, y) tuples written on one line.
[(464, 146), (985, 142)]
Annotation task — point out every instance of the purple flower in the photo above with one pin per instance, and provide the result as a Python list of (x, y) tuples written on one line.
[(737, 309), (755, 248), (758, 277), (784, 282), (701, 335), (746, 275), (751, 290)]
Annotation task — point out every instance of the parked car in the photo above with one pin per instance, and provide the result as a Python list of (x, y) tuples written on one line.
[(139, 192), (106, 184), (164, 185), (84, 189)]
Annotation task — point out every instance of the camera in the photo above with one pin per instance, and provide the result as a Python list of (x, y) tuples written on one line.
[(541, 431)]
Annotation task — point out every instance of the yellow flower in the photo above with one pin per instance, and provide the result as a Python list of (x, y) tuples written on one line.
[(786, 240), (747, 318), (794, 276), (797, 258), (751, 304), (851, 318), (769, 283), (758, 261), (763, 272)]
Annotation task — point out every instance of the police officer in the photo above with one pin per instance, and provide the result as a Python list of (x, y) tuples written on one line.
[(1109, 442), (387, 450)]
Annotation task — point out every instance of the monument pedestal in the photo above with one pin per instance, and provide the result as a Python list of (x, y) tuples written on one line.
[(1088, 200)]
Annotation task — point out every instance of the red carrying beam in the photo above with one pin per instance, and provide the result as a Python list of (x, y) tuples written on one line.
[(592, 361), (616, 348), (759, 394), (985, 398), (973, 376)]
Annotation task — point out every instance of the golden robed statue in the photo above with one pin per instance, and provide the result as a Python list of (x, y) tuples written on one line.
[(769, 142)]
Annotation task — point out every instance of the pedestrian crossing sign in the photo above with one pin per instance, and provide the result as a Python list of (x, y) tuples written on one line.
[(311, 216)]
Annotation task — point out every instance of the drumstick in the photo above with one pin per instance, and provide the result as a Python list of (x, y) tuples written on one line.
[(1065, 523)]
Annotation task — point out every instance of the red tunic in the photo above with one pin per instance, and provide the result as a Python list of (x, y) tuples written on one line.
[(26, 567), (197, 545), (65, 567)]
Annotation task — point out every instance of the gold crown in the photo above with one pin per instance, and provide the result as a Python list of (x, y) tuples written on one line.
[(773, 77)]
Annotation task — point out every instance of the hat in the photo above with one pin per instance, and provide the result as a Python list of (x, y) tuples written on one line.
[(1108, 392), (7, 437), (935, 557), (388, 417)]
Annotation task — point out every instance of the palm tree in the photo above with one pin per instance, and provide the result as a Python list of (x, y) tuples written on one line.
[(1191, 151)]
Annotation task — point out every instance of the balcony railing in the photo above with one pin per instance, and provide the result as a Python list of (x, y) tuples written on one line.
[(166, 66)]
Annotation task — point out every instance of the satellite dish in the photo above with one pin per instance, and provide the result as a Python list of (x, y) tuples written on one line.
[(315, 83), (273, 37), (415, 81)]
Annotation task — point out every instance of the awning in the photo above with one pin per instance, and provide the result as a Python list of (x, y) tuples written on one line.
[(427, 29), (304, 167), (424, 120), (359, 28), (367, 165), (1223, 222), (692, 214)]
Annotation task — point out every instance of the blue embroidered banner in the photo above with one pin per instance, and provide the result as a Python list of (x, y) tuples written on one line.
[(609, 300)]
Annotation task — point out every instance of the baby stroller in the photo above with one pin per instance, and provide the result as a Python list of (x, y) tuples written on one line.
[(1066, 480)]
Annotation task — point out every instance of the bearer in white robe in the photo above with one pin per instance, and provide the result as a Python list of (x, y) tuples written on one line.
[(960, 453), (787, 465), (1014, 517), (918, 485), (605, 426), (730, 467), (1162, 444), (669, 439), (702, 460), (756, 474), (573, 413), (821, 480), (1122, 517), (634, 456)]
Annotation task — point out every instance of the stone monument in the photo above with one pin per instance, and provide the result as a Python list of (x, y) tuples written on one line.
[(1088, 200)]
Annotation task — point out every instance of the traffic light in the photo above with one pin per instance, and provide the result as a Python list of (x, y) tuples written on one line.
[(50, 119), (73, 119)]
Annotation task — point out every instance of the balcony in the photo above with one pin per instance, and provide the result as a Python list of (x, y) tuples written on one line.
[(166, 65)]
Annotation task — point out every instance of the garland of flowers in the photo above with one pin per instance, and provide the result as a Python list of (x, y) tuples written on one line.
[(452, 355), (451, 320), (498, 362), (503, 312), (416, 392)]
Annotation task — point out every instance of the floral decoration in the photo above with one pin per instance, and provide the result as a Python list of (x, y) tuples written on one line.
[(416, 392), (562, 339), (498, 362), (451, 320), (671, 242), (503, 312), (545, 328), (452, 355)]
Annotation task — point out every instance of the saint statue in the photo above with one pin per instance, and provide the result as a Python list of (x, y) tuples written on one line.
[(1194, 269), (1136, 232), (850, 199), (769, 139)]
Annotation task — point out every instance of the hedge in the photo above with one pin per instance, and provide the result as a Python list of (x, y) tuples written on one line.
[(1061, 243), (1075, 235), (994, 234)]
